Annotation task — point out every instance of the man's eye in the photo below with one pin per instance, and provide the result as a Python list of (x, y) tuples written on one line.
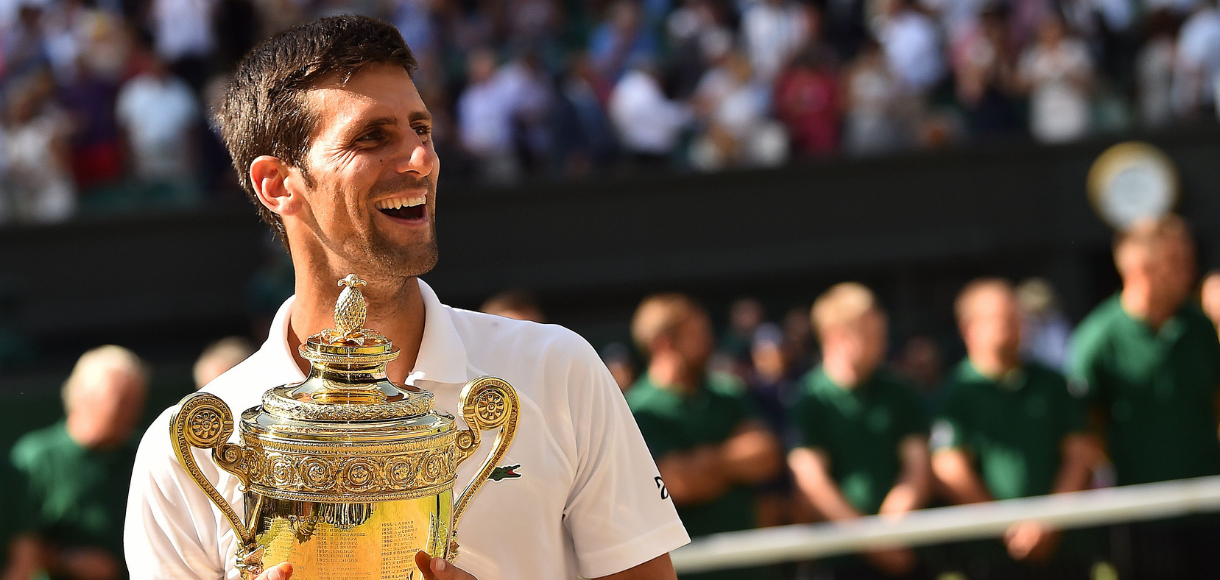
[(371, 136), (423, 130)]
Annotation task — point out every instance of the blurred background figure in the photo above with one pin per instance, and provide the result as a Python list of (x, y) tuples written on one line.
[(1209, 294), (518, 304), (1148, 365), (710, 444), (618, 359), (36, 166), (922, 363), (1057, 72), (1009, 429), (73, 475), (746, 314), (1046, 331), (772, 388), (219, 357), (862, 446)]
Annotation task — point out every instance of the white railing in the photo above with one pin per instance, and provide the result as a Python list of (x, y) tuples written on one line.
[(1149, 501)]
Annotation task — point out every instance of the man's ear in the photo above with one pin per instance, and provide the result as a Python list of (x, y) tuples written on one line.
[(270, 176)]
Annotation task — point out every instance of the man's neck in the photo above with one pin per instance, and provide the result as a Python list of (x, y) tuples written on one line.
[(841, 372), (669, 372), (395, 310), (1137, 301), (993, 365)]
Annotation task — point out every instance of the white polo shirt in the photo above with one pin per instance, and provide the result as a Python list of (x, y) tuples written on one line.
[(587, 502)]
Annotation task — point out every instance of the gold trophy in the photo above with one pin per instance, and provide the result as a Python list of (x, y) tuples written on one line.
[(346, 475)]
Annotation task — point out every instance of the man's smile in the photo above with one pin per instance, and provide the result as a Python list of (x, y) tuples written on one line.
[(411, 208)]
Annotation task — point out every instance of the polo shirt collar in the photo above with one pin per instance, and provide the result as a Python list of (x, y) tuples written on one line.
[(442, 354)]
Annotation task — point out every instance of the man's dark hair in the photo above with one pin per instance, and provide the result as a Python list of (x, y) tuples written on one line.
[(264, 111)]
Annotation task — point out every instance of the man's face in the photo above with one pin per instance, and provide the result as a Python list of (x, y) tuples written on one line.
[(861, 341), (693, 341), (993, 324), (110, 409), (369, 178)]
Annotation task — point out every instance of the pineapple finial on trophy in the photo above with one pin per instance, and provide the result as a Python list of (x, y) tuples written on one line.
[(350, 309)]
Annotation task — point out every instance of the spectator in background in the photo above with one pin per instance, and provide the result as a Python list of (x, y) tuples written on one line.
[(36, 177), (746, 314), (75, 474), (184, 37), (799, 350), (1154, 71), (986, 76), (515, 304), (1209, 294), (96, 154), (485, 118), (219, 357), (734, 108), (771, 388), (528, 90), (1057, 72), (772, 31), (617, 357), (708, 441), (913, 47), (622, 39), (159, 115), (807, 102), (1046, 330), (1148, 363), (1197, 62), (647, 122), (922, 364), (699, 34), (1009, 429), (874, 122), (862, 447)]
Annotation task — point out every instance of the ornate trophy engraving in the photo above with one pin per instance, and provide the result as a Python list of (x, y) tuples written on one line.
[(346, 475)]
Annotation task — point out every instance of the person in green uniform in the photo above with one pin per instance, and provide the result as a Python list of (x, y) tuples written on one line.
[(862, 447), (709, 443), (74, 474), (1148, 365), (1009, 429)]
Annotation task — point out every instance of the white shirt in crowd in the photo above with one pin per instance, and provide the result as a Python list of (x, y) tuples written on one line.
[(1059, 102), (1197, 68), (912, 45), (646, 121), (772, 32), (587, 502), (485, 112), (183, 27), (158, 114)]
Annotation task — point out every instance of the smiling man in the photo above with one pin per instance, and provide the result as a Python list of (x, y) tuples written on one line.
[(331, 139)]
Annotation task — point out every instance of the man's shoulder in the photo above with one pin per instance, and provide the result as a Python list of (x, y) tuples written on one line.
[(35, 446), (492, 340)]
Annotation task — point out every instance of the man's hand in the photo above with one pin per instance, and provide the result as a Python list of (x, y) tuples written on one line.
[(88, 564), (1031, 541), (439, 568), (892, 561), (279, 572)]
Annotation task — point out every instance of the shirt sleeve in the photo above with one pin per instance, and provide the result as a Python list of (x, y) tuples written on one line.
[(618, 512), (1084, 375), (949, 423), (808, 421), (172, 531)]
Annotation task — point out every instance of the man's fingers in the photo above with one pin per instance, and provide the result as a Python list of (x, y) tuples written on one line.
[(280, 572), (439, 568)]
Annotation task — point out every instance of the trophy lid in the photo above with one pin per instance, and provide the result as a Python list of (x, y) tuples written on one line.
[(347, 380)]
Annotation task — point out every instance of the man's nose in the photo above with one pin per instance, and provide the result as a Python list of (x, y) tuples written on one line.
[(416, 158)]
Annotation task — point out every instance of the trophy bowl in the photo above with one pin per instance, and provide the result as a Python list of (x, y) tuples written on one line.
[(346, 474)]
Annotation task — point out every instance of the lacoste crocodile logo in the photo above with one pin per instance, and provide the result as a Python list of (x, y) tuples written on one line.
[(505, 472)]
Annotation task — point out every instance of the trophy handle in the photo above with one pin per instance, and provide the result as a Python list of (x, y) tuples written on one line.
[(203, 420), (485, 403)]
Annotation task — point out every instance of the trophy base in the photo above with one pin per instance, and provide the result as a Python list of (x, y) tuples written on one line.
[(351, 541)]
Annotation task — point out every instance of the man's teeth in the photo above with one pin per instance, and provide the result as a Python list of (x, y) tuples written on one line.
[(401, 202)]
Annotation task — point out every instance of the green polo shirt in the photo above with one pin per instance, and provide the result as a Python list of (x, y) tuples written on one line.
[(672, 421), (1156, 388), (860, 430), (1013, 427), (70, 495)]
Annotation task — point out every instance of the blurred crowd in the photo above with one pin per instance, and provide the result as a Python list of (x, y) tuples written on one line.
[(806, 421), (104, 101), (810, 419)]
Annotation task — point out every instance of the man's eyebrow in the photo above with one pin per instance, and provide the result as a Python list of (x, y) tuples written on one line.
[(419, 116), (379, 121)]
